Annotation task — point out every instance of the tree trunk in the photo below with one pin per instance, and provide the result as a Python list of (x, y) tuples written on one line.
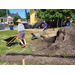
[(61, 22), (26, 15), (57, 22), (7, 15)]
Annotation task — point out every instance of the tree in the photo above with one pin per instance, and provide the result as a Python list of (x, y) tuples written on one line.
[(3, 12), (58, 13), (49, 14), (16, 17), (28, 15)]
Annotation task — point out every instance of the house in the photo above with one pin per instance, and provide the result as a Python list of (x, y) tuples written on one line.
[(10, 17), (33, 16), (34, 19)]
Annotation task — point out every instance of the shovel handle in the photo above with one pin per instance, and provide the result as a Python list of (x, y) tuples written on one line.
[(13, 39), (17, 35), (10, 41)]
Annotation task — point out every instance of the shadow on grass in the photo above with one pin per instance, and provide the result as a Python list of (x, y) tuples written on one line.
[(12, 43)]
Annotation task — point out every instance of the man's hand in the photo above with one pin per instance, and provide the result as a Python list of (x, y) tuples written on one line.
[(43, 28), (17, 32)]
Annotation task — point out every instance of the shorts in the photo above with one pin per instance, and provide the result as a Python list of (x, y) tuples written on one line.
[(21, 35), (45, 32)]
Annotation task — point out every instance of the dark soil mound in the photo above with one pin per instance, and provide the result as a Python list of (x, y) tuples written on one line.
[(64, 41)]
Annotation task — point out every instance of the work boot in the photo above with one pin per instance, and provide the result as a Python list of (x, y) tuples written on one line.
[(22, 46), (25, 45)]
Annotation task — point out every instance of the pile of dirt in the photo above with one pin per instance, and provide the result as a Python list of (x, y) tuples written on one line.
[(52, 49), (63, 42)]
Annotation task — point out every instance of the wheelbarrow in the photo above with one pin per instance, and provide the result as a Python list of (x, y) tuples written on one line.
[(36, 36), (11, 39)]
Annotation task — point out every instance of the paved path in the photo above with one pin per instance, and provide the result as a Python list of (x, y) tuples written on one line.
[(51, 32), (8, 28)]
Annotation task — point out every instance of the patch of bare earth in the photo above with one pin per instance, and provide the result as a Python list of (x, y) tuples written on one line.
[(59, 49)]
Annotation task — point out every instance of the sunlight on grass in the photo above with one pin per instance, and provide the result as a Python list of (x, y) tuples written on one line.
[(14, 48)]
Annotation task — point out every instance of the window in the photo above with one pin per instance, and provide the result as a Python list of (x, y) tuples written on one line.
[(35, 9), (1, 20), (35, 16)]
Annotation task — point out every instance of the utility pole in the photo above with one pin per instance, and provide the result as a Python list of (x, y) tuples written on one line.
[(7, 15), (26, 14)]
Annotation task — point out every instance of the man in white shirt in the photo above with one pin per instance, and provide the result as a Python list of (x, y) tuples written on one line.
[(21, 32)]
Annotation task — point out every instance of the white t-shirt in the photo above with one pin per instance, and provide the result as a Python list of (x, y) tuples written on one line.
[(21, 27)]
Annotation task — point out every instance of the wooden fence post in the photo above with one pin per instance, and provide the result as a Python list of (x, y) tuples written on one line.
[(23, 61)]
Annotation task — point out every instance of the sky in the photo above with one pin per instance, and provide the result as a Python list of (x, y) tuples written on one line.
[(21, 12)]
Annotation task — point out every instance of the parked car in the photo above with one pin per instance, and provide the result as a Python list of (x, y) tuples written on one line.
[(27, 26), (1, 27), (39, 25)]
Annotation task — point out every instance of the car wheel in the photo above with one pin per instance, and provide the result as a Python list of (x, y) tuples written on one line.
[(39, 27)]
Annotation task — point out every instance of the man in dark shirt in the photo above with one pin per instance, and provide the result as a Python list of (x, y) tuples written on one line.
[(45, 29)]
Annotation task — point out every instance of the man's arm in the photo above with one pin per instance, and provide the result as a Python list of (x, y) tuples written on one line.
[(9, 24), (18, 29), (17, 32), (45, 27)]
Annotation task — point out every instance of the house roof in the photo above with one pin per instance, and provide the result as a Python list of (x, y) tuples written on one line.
[(3, 18), (12, 15)]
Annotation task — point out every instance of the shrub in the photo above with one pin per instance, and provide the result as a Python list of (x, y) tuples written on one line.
[(16, 17)]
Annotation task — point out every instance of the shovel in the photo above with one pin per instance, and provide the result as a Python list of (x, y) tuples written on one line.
[(13, 38)]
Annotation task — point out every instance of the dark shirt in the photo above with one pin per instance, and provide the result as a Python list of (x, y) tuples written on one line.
[(44, 26)]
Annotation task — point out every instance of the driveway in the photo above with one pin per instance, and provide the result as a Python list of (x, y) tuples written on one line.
[(8, 28), (50, 31)]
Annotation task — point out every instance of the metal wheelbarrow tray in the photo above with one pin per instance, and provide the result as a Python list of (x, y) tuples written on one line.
[(36, 36)]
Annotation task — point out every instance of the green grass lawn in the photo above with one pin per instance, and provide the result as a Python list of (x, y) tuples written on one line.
[(73, 24), (14, 48)]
